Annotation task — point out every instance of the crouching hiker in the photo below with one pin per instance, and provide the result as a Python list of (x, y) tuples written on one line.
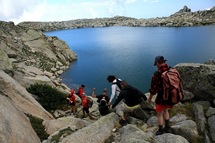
[(86, 104), (103, 100), (132, 99), (72, 102)]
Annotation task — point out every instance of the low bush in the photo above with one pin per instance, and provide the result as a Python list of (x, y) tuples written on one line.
[(49, 97), (186, 109), (38, 127)]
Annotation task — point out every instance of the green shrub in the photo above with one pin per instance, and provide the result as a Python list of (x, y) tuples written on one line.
[(62, 133), (38, 127), (50, 98), (187, 109)]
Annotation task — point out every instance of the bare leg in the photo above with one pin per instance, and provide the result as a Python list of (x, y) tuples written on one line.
[(166, 114), (160, 118)]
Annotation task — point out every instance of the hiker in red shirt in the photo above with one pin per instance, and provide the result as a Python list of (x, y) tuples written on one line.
[(85, 107), (72, 101), (157, 87), (80, 91)]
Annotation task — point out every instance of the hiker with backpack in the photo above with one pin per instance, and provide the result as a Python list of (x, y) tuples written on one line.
[(103, 100), (166, 96), (115, 87), (80, 91), (131, 97), (86, 104), (72, 102)]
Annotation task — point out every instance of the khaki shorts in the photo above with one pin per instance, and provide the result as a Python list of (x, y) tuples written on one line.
[(121, 108)]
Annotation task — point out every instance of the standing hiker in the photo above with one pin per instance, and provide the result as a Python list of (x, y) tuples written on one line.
[(80, 91), (86, 104), (157, 87), (72, 102), (115, 87)]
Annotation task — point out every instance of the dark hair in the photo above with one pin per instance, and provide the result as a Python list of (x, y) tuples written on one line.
[(111, 78), (124, 83), (82, 85)]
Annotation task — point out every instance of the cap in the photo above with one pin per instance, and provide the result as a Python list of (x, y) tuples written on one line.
[(160, 59), (105, 89)]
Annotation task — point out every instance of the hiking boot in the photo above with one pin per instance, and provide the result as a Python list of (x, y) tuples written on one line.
[(159, 132), (167, 130), (122, 122)]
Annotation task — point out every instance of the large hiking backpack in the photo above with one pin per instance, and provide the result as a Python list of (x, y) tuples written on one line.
[(172, 86), (89, 102), (118, 83)]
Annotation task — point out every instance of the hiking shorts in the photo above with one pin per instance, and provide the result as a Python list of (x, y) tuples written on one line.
[(159, 107)]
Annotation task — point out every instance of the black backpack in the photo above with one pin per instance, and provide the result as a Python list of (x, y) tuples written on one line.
[(103, 107), (118, 83), (136, 95)]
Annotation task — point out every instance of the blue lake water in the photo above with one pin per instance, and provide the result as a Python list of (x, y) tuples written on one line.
[(129, 52)]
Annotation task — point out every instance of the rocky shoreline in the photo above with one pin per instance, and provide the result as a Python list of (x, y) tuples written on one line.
[(27, 56), (183, 17)]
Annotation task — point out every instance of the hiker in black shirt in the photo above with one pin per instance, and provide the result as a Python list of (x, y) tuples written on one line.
[(132, 99), (103, 100)]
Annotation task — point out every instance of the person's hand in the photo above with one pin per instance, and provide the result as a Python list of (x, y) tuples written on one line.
[(150, 98), (109, 103)]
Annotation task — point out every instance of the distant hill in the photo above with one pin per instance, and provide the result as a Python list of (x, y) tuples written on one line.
[(184, 17)]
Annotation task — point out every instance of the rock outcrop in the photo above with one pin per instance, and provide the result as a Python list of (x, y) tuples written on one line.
[(15, 126), (27, 56), (198, 78), (183, 17)]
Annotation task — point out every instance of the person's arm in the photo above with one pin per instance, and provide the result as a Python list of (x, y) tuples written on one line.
[(113, 92), (93, 93), (120, 97), (154, 86)]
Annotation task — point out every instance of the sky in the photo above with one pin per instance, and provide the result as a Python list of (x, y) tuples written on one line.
[(63, 10)]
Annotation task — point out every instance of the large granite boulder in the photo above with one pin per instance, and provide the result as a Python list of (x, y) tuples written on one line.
[(5, 62), (198, 79), (23, 100), (14, 125)]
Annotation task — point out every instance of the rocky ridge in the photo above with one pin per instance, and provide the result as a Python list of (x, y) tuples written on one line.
[(183, 17), (27, 56)]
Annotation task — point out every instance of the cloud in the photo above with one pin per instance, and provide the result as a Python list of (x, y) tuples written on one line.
[(20, 10)]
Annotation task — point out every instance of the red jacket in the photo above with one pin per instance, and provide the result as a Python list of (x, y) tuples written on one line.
[(84, 101), (157, 84), (72, 96)]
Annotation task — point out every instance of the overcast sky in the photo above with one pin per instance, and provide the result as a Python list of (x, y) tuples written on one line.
[(62, 10)]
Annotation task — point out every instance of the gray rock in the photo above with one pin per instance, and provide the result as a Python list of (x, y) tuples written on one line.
[(186, 129), (21, 98), (5, 62), (198, 78), (131, 134), (15, 126), (210, 111), (178, 118), (170, 138), (199, 116), (96, 132), (211, 121), (152, 121), (64, 122)]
